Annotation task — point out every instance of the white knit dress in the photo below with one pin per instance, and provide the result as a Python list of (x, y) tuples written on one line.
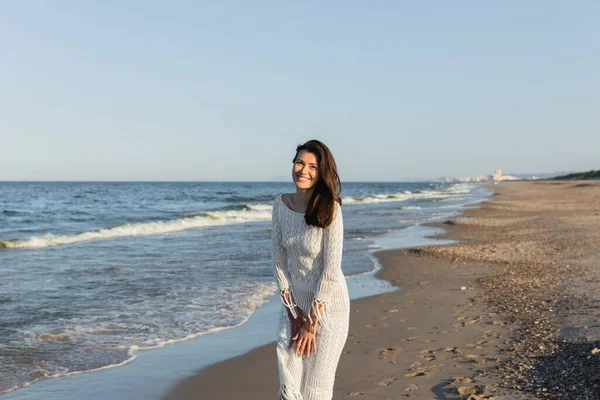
[(314, 275)]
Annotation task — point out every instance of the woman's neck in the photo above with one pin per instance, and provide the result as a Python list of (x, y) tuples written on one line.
[(301, 198)]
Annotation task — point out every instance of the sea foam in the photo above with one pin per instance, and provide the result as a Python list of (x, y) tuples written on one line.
[(250, 213), (404, 195), (201, 219)]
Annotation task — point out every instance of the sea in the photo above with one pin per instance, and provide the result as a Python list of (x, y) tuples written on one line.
[(93, 272)]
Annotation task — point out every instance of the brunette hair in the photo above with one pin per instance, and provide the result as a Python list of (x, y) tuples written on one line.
[(321, 207)]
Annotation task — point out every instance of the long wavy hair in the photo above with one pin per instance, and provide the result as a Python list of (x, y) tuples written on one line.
[(321, 207)]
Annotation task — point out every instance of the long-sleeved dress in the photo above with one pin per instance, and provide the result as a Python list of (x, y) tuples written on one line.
[(313, 276)]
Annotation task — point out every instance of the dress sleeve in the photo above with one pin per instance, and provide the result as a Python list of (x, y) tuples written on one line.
[(279, 260), (333, 243)]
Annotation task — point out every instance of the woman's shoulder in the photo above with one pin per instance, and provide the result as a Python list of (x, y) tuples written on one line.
[(281, 197), (284, 198), (337, 209), (278, 200)]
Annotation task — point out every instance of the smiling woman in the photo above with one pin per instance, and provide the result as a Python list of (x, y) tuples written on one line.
[(313, 325), (305, 168)]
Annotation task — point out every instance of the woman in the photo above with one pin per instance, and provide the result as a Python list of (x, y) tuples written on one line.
[(308, 227)]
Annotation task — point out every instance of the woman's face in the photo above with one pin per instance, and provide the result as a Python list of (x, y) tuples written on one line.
[(305, 172)]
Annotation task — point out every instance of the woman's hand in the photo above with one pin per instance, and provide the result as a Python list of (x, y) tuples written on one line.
[(318, 308), (296, 324), (306, 340)]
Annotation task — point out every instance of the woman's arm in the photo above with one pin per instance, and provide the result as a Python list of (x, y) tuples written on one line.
[(333, 237), (279, 260), (333, 242)]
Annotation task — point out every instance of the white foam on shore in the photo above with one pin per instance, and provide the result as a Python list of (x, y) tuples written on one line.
[(132, 357), (407, 195), (255, 296), (251, 213)]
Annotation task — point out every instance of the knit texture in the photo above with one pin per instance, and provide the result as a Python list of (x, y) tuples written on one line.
[(307, 262)]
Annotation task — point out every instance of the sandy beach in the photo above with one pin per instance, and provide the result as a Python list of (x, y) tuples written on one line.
[(510, 311)]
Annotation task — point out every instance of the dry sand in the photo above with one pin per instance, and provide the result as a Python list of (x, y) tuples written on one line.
[(510, 312)]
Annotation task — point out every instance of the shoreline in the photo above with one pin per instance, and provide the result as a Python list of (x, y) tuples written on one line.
[(496, 315), (388, 334), (165, 366), (232, 377), (155, 371)]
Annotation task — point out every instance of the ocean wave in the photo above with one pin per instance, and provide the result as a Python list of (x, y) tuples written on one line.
[(377, 198), (461, 188), (229, 215), (94, 336), (408, 195), (235, 207), (11, 212), (249, 213), (222, 197)]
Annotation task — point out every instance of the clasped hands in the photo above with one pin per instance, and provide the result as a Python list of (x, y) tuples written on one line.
[(304, 333)]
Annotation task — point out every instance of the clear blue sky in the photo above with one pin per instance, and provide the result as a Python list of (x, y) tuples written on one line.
[(205, 90)]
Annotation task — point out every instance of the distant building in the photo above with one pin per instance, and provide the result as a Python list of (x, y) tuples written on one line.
[(498, 175)]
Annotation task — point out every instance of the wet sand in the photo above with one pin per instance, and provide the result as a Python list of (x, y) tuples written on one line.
[(501, 314)]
